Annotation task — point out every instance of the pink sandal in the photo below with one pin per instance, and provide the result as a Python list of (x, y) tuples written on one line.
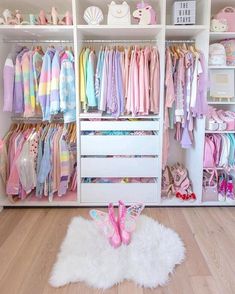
[(67, 19), (222, 125), (182, 183), (167, 183), (54, 16), (227, 119), (42, 18), (231, 114)]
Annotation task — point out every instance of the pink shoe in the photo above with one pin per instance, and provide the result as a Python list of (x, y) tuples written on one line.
[(232, 115), (115, 239), (42, 18), (67, 19), (222, 188), (222, 125), (227, 119), (54, 16), (122, 212), (230, 198)]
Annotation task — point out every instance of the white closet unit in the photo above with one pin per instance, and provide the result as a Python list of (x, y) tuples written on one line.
[(92, 150)]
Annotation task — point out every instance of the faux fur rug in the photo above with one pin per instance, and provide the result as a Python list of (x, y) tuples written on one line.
[(86, 256)]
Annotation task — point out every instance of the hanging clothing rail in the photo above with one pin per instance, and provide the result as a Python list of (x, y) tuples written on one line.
[(180, 41), (80, 41), (37, 41), (118, 41), (35, 119)]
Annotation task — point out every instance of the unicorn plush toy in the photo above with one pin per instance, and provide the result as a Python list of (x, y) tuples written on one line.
[(145, 14)]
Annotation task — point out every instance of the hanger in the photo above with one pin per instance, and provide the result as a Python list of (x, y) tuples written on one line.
[(74, 133)]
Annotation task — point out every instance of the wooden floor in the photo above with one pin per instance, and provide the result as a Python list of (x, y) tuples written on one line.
[(30, 239)]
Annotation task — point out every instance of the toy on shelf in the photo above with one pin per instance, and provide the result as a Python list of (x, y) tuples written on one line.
[(93, 15), (184, 12), (119, 14), (145, 14), (227, 14), (219, 25)]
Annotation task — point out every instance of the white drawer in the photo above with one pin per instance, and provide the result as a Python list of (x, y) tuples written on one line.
[(119, 167), (147, 125), (119, 145), (129, 193)]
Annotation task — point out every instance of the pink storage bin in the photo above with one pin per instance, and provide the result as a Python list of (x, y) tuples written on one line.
[(228, 13)]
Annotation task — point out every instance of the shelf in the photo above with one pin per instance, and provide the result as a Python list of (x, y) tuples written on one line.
[(212, 168), (219, 132), (221, 67), (98, 116), (184, 31), (217, 203), (221, 103), (173, 201), (31, 32), (106, 32), (214, 36), (70, 199), (176, 202)]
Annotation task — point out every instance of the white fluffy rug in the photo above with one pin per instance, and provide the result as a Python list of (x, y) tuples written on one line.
[(86, 256)]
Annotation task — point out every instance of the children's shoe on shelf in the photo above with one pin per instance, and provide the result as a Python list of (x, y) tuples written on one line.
[(214, 115), (42, 20), (7, 15), (67, 19), (222, 188), (167, 183), (211, 124), (230, 198), (227, 119), (54, 16)]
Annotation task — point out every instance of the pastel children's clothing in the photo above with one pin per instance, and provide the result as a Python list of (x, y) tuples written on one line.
[(121, 81), (38, 159), (185, 94), (40, 84)]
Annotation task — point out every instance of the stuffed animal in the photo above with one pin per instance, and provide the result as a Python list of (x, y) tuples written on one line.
[(219, 25), (119, 14), (145, 14)]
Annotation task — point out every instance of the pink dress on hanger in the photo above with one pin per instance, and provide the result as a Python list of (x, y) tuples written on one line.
[(169, 100)]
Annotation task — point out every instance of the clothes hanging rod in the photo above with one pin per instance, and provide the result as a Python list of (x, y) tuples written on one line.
[(118, 41), (180, 41), (37, 41), (35, 119), (80, 41)]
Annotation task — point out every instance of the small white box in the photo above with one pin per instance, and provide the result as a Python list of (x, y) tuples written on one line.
[(184, 12)]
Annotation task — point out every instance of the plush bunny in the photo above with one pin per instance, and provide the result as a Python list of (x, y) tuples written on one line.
[(119, 14), (219, 25)]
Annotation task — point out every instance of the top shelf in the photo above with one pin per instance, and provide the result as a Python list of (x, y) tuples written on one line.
[(134, 32), (184, 31), (38, 32)]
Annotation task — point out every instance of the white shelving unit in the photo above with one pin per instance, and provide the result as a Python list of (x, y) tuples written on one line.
[(150, 146)]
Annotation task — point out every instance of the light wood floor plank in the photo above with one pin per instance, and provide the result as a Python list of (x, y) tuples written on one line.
[(9, 250), (210, 247)]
